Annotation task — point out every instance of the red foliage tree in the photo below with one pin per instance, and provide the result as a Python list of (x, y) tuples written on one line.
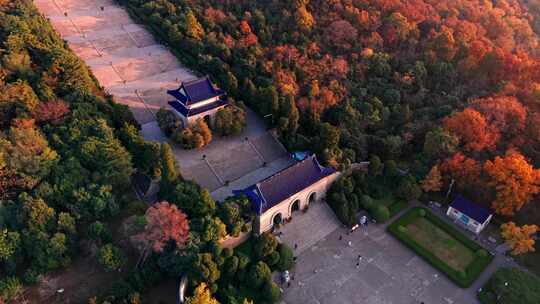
[(465, 171), (51, 111), (248, 37), (341, 34), (504, 113), (165, 222), (214, 15)]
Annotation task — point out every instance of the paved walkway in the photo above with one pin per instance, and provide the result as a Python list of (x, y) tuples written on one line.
[(123, 56), (319, 221)]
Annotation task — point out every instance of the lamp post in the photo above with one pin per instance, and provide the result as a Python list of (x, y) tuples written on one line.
[(271, 118), (499, 295)]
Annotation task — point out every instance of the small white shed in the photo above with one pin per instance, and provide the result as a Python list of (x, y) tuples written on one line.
[(468, 214)]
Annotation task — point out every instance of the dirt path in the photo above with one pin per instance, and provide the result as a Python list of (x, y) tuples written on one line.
[(123, 56)]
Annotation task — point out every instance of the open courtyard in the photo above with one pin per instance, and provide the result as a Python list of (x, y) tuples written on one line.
[(388, 272)]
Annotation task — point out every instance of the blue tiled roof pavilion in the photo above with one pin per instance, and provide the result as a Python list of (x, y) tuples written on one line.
[(196, 91)]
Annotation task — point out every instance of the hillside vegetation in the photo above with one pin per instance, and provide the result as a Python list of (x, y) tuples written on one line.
[(420, 82)]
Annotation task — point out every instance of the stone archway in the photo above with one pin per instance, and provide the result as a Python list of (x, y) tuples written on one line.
[(207, 120), (277, 219), (312, 197), (295, 206)]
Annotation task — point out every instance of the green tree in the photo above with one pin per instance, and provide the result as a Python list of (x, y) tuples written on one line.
[(93, 202), (66, 223), (268, 101), (290, 116), (271, 292), (408, 189), (229, 212), (214, 229), (375, 165), (266, 244), (511, 286), (38, 215), (108, 159), (380, 213), (58, 250), (169, 168), (259, 274), (440, 143), (99, 232), (328, 137), (111, 257), (286, 257), (17, 99), (146, 154), (10, 289), (192, 199), (390, 169), (205, 268), (167, 121), (230, 121), (9, 243)]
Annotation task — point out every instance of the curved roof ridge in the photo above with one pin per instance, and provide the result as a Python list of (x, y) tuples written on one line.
[(277, 174)]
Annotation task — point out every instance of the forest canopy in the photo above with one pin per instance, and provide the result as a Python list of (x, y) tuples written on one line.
[(353, 78)]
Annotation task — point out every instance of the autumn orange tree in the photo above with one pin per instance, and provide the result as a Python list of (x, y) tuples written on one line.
[(433, 181), (472, 129), (466, 171), (519, 238), (505, 114), (165, 222), (514, 180)]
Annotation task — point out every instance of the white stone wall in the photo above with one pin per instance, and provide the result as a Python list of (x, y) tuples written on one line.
[(212, 113), (472, 225), (266, 220)]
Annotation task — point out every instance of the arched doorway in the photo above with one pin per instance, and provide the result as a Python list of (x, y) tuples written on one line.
[(312, 197), (295, 206), (207, 120), (277, 220)]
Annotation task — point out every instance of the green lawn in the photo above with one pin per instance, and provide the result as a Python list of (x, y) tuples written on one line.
[(441, 245)]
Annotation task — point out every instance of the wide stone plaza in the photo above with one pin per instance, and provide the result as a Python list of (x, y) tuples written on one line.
[(388, 272)]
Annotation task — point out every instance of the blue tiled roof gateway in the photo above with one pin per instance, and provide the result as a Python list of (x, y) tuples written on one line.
[(282, 185), (195, 91), (472, 210)]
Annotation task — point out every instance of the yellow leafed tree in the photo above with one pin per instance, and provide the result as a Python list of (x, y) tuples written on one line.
[(194, 28), (433, 181), (304, 19), (519, 238), (202, 295), (514, 180)]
